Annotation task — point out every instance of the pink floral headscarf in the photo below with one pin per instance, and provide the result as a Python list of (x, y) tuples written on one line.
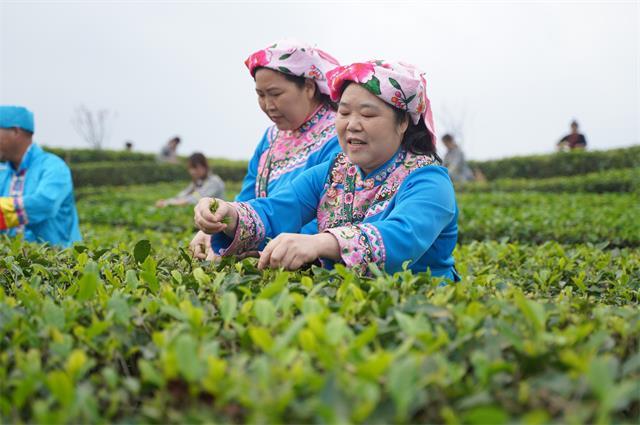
[(398, 84), (298, 59)]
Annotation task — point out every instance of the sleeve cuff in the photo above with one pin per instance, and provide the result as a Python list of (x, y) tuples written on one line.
[(12, 212), (250, 233), (360, 245)]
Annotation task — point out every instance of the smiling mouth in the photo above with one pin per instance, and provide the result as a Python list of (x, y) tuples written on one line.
[(356, 142)]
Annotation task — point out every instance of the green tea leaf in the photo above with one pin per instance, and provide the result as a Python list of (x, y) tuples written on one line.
[(228, 306), (265, 312), (486, 415), (120, 308), (88, 283), (190, 367), (61, 387), (53, 315), (275, 287), (141, 250), (261, 338)]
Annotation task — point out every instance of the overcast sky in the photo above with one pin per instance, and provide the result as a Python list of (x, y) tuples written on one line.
[(512, 74)]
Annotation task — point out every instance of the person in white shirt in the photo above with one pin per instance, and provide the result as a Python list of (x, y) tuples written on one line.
[(204, 184)]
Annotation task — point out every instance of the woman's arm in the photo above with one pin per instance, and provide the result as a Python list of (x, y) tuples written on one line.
[(285, 211)]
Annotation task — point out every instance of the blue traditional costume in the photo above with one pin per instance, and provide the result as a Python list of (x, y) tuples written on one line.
[(283, 155), (403, 211), (36, 198)]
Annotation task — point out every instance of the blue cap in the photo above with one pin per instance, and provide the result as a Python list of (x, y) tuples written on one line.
[(16, 116)]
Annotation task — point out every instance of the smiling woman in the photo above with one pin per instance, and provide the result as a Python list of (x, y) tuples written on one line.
[(385, 200)]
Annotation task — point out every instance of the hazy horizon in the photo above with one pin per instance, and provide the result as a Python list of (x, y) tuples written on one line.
[(514, 75)]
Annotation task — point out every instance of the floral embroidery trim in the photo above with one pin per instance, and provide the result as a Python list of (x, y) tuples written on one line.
[(250, 231), (360, 245), (289, 150), (348, 199)]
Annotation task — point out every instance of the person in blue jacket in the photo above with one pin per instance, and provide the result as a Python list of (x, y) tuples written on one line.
[(291, 84), (385, 200), (36, 190)]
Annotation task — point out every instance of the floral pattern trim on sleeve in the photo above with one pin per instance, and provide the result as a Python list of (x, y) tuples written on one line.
[(360, 245), (250, 231)]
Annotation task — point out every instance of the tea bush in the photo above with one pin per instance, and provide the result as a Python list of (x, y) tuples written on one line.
[(126, 328)]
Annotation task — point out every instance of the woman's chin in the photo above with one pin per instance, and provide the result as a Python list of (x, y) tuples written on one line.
[(358, 158)]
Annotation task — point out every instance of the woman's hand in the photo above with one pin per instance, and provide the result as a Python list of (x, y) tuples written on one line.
[(200, 247), (211, 223), (292, 251)]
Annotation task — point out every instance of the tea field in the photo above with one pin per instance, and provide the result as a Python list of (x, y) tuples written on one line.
[(126, 328)]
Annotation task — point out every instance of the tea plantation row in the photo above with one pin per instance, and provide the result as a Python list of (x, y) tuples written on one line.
[(126, 327)]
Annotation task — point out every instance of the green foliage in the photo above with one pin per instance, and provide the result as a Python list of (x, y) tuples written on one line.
[(533, 218), (559, 164), (542, 334), (623, 180), (129, 173), (120, 168), (126, 173), (134, 207), (77, 156), (126, 328)]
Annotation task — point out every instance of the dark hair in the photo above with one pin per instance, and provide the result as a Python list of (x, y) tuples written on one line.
[(175, 139), (197, 159), (574, 122), (417, 139), (29, 133), (447, 138), (299, 81)]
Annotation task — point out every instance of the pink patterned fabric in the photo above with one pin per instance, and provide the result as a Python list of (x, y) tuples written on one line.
[(360, 245), (349, 199), (398, 84), (289, 150), (250, 231), (294, 58)]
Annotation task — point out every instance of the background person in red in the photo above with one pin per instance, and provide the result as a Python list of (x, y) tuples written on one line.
[(573, 140)]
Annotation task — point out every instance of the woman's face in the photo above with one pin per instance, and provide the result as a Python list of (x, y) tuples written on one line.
[(367, 129), (197, 172), (287, 105)]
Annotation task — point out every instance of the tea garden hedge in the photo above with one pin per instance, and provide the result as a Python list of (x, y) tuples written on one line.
[(126, 328)]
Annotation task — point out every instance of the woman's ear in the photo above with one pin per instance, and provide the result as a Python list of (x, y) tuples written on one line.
[(310, 87), (404, 125)]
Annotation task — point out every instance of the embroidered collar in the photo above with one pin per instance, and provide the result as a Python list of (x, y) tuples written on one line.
[(382, 172), (289, 150), (348, 199), (312, 120)]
